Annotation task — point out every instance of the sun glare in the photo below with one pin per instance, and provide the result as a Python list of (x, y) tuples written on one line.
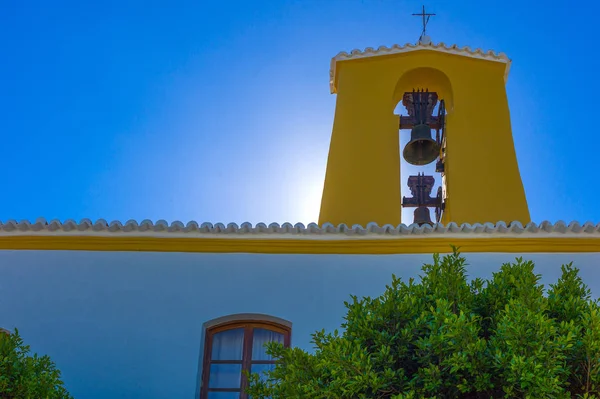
[(309, 201)]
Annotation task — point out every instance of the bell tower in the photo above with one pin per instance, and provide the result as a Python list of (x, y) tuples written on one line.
[(471, 142)]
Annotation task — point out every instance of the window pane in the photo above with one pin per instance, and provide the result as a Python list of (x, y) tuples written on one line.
[(225, 376), (261, 337), (227, 345), (261, 369), (223, 395)]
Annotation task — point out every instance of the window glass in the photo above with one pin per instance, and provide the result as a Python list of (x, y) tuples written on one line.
[(261, 369), (228, 345), (223, 395), (225, 375), (261, 337)]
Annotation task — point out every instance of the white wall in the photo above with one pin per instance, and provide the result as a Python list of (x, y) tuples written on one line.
[(129, 324)]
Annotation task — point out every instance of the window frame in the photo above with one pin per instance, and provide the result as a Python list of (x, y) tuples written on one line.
[(248, 325)]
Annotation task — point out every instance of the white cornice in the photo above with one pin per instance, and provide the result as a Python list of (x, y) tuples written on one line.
[(298, 231), (397, 49)]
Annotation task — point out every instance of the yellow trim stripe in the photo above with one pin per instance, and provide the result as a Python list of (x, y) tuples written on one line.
[(301, 246)]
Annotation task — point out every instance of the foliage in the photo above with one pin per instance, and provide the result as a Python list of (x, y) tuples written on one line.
[(23, 376), (447, 337)]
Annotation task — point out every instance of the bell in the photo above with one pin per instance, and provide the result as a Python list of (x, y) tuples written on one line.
[(421, 149), (422, 216)]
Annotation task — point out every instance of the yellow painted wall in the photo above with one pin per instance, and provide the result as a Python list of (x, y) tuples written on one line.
[(279, 245), (362, 182)]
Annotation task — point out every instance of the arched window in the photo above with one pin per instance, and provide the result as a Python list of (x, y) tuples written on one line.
[(234, 346)]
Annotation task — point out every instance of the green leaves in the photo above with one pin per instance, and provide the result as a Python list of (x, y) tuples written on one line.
[(447, 337), (27, 377)]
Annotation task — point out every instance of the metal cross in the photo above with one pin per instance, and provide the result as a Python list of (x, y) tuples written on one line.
[(425, 20)]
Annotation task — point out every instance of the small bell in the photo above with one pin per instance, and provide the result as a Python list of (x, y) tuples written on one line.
[(421, 149), (422, 216)]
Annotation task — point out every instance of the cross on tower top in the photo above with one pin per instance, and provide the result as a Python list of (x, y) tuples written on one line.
[(426, 17)]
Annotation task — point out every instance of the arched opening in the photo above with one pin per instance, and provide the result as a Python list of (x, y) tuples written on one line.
[(432, 80), (234, 345)]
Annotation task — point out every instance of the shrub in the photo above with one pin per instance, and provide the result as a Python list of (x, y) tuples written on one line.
[(27, 377), (447, 337)]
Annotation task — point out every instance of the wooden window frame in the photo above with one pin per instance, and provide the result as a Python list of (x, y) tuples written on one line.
[(246, 362)]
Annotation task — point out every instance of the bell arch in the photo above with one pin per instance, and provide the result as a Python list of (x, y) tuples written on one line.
[(424, 78), (434, 81)]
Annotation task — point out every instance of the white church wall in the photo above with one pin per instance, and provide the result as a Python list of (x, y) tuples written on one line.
[(130, 324)]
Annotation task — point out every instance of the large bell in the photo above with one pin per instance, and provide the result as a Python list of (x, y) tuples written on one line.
[(421, 149), (422, 216)]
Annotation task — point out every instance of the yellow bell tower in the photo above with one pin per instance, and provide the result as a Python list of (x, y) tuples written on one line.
[(480, 173)]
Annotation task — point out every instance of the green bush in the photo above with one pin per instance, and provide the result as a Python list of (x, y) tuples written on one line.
[(27, 377), (446, 337)]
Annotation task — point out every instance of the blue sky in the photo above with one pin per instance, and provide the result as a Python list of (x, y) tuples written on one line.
[(220, 111)]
